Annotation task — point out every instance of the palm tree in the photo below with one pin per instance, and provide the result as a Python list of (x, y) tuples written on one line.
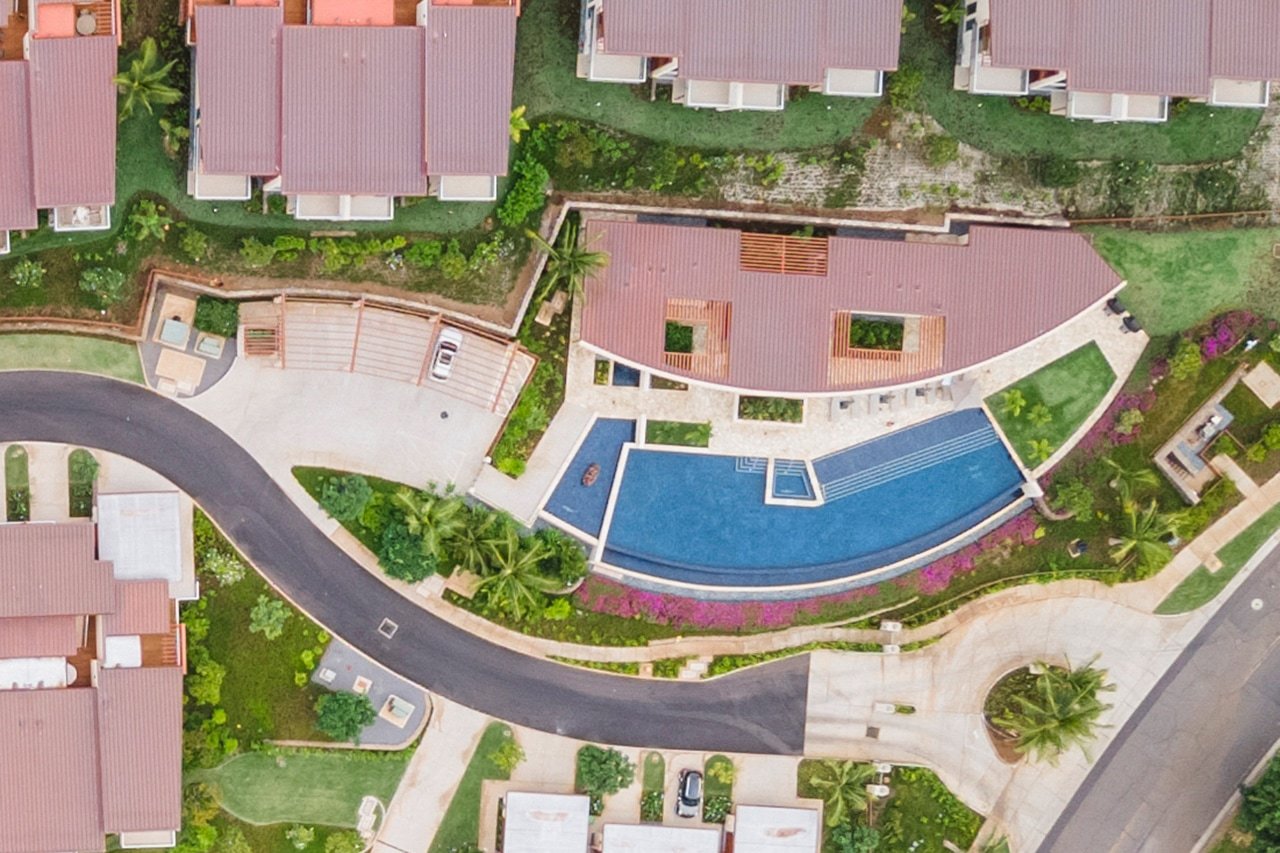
[(517, 124), (1040, 450), (950, 14), (469, 547), (843, 788), (1012, 402), (144, 84), (1146, 535), (568, 261), (1061, 712), (513, 583), (436, 519), (1128, 482)]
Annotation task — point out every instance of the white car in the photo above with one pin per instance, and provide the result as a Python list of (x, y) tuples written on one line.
[(447, 346)]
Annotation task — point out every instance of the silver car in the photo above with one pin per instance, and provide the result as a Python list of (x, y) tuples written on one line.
[(689, 794), (447, 346)]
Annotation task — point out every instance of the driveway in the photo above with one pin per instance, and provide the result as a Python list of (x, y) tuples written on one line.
[(761, 710), (1199, 732)]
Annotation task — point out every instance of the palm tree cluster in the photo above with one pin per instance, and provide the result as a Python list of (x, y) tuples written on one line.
[(1061, 710), (1146, 536), (516, 571)]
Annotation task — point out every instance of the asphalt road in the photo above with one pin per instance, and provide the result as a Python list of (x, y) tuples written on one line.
[(1192, 741), (761, 710)]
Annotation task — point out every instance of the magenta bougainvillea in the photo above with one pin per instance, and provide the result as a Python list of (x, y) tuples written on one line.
[(602, 595), (1225, 332)]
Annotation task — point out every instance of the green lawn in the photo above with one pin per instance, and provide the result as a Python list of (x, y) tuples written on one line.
[(1070, 387), (654, 770), (1251, 415), (1178, 279), (680, 433), (1200, 133), (461, 824), (715, 787), (308, 788), (922, 815), (1201, 586), (260, 694), (70, 352), (15, 467)]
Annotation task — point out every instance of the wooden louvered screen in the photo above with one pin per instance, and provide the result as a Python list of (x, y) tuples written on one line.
[(780, 253)]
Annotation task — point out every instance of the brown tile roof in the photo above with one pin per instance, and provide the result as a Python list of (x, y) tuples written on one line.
[(73, 120), (772, 41), (49, 785), (1245, 38), (352, 120), (238, 66), (1005, 288), (17, 197), (39, 636), (50, 570), (140, 723), (1160, 47), (142, 607), (470, 64)]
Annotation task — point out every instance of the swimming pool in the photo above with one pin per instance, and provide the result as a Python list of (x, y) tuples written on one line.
[(584, 506), (700, 518)]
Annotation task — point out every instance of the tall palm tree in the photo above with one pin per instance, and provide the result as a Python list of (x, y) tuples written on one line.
[(1128, 482), (1061, 712), (435, 519), (568, 261), (843, 788), (1145, 537), (144, 84), (513, 582)]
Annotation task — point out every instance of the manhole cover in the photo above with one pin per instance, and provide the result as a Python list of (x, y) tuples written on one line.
[(1256, 604), (388, 628)]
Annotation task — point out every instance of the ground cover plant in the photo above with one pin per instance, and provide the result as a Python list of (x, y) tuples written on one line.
[(460, 826), (1045, 409), (770, 409), (17, 484)]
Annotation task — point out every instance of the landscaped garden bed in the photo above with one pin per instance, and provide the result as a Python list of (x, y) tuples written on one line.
[(679, 433), (777, 409), (82, 473), (459, 829), (17, 484), (653, 787)]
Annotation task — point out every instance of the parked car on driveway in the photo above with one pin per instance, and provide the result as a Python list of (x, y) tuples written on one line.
[(447, 346), (689, 794)]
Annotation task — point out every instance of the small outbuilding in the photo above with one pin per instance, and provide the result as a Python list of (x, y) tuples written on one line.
[(773, 829), (546, 823)]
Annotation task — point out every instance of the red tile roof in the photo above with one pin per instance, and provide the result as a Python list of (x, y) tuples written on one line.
[(769, 41), (238, 66), (39, 636), (49, 785), (17, 196), (469, 71), (142, 607), (1159, 47), (140, 723), (50, 570), (1005, 288), (352, 119), (73, 120)]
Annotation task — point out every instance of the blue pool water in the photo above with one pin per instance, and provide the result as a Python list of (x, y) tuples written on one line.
[(584, 506), (702, 518), (791, 479)]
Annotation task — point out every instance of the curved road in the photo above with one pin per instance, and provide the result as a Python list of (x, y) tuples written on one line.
[(761, 710), (1192, 741)]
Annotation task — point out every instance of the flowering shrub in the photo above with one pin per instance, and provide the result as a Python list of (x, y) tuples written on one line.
[(937, 576), (1227, 331), (1116, 427)]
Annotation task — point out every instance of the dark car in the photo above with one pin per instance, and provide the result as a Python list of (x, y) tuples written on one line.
[(689, 794)]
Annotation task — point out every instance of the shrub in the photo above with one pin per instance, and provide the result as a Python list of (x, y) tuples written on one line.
[(27, 274), (1129, 420), (512, 466), (148, 221), (453, 264), (507, 757), (906, 86), (289, 247), (1186, 361), (940, 149), (344, 842), (1056, 172), (1271, 437), (300, 836), (715, 808), (256, 253), (205, 685), (104, 283), (771, 409), (485, 255), (603, 771), (225, 568), (401, 554), (1075, 497), (194, 244), (526, 192), (268, 617), (217, 316), (342, 715), (651, 810), (345, 497), (1260, 809), (558, 610), (874, 333), (1256, 453), (424, 254), (566, 561), (848, 838)]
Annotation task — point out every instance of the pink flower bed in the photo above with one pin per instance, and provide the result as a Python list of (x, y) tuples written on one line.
[(602, 595)]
